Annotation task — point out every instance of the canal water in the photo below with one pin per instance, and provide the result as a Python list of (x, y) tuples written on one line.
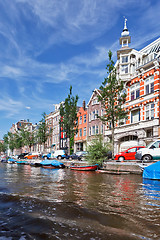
[(37, 203)]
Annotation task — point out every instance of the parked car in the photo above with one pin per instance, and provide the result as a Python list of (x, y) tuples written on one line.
[(59, 154), (151, 152), (129, 154), (46, 156), (22, 155), (81, 154), (32, 155), (73, 156)]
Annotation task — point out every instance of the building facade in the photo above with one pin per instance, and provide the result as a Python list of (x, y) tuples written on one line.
[(52, 120), (95, 125), (81, 137), (140, 70)]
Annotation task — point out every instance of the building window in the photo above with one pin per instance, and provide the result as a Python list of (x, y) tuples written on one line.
[(102, 112), (90, 131), (84, 131), (95, 101), (124, 69), (97, 129), (93, 115), (135, 91), (80, 132), (102, 129), (80, 120), (124, 59), (97, 114), (149, 133), (149, 85), (132, 95), (135, 116), (85, 117), (89, 117), (150, 111), (93, 130)]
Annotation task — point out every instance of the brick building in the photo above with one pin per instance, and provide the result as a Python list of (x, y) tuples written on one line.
[(140, 70), (81, 137)]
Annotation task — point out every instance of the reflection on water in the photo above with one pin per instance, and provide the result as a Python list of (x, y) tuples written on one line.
[(152, 191), (38, 203)]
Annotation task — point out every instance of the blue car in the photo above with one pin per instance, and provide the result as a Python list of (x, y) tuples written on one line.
[(46, 156)]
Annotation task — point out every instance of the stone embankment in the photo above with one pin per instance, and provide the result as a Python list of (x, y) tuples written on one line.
[(111, 167)]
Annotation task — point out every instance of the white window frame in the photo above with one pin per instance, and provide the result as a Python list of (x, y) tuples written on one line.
[(148, 82), (135, 118), (149, 111), (123, 58), (80, 120), (124, 68), (93, 130), (134, 88)]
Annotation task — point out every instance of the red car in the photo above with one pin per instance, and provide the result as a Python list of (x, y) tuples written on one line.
[(128, 154)]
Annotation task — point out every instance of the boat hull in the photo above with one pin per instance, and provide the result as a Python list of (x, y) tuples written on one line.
[(84, 168)]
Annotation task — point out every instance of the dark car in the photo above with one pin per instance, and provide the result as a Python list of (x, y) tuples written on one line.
[(77, 156), (73, 156), (21, 156)]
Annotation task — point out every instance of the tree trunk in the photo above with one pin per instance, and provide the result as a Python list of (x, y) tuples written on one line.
[(69, 150), (112, 142)]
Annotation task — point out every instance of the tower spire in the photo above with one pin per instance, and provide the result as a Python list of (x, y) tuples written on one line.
[(125, 31), (125, 38)]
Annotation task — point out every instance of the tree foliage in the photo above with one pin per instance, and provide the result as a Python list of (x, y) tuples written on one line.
[(43, 131), (97, 150), (9, 139), (112, 98), (3, 147), (68, 113)]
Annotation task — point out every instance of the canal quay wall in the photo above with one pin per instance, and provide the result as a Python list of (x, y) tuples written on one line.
[(111, 166)]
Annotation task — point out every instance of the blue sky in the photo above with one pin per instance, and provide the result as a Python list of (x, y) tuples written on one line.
[(48, 45)]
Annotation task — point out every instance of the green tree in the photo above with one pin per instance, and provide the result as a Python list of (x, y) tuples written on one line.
[(43, 131), (24, 137), (19, 142), (112, 98), (69, 120), (29, 139), (3, 147), (9, 139), (97, 150)]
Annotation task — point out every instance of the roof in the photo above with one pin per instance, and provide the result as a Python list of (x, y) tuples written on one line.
[(152, 47), (95, 90)]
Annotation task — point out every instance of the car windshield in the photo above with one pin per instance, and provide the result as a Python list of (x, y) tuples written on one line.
[(154, 144)]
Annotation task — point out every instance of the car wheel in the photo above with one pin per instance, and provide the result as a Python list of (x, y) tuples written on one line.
[(146, 158), (121, 159), (70, 158), (59, 157)]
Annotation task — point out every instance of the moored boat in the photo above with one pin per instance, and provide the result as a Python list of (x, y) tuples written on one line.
[(21, 162), (52, 164), (152, 171), (11, 161), (84, 168)]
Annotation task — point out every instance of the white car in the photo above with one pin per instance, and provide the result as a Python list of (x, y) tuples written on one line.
[(59, 154), (151, 152)]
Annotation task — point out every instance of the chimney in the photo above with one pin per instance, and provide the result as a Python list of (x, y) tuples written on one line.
[(84, 104)]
